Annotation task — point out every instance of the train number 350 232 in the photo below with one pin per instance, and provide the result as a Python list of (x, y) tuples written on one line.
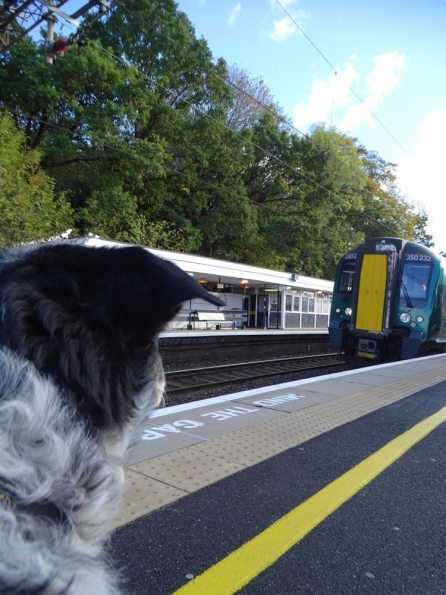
[(419, 257)]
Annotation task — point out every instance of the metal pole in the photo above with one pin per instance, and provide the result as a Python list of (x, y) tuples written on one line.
[(51, 19)]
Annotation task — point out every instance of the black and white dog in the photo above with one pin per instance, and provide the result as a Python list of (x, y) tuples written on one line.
[(79, 372)]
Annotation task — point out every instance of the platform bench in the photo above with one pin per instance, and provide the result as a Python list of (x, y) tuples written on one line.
[(212, 319)]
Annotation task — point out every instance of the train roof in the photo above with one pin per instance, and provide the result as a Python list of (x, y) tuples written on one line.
[(399, 243), (223, 271)]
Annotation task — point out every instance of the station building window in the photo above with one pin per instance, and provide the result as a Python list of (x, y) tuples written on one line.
[(292, 303), (307, 309)]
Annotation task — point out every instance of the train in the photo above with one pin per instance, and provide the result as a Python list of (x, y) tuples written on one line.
[(389, 302)]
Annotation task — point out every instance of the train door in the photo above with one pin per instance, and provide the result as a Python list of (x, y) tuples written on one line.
[(372, 293)]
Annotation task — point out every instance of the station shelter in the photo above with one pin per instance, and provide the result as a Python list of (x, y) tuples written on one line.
[(254, 297)]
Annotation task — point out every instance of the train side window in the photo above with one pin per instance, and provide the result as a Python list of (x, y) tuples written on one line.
[(347, 276)]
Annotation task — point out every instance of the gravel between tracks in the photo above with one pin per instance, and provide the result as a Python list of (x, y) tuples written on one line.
[(171, 400), (210, 362)]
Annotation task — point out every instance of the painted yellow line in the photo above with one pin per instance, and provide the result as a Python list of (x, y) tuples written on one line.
[(244, 564)]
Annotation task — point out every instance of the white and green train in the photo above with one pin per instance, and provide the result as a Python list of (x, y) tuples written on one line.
[(389, 301)]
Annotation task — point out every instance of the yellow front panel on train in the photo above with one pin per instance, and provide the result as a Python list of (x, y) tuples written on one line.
[(372, 291)]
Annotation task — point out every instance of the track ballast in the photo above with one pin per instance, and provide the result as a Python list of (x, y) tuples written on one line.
[(186, 382)]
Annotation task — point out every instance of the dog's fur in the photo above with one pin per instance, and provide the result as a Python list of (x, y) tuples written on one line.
[(79, 372)]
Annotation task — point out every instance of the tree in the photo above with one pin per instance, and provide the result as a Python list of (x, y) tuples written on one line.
[(251, 100), (420, 233), (27, 203), (154, 141), (385, 212), (124, 130), (304, 191)]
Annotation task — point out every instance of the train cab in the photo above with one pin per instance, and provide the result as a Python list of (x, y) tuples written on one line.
[(388, 301)]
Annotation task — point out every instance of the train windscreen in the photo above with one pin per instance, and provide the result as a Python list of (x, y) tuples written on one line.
[(347, 276), (415, 281)]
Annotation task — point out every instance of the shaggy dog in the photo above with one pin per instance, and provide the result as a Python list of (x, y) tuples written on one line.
[(79, 372)]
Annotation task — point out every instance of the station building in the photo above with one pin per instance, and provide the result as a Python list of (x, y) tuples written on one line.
[(255, 298)]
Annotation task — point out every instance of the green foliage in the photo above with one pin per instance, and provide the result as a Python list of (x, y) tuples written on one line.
[(144, 137), (384, 212), (27, 204), (114, 214)]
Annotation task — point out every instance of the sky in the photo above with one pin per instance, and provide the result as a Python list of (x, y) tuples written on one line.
[(389, 53)]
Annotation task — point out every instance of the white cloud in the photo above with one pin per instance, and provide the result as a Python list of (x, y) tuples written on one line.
[(282, 30), (334, 93), (325, 93), (385, 75), (422, 176), (232, 15), (285, 27), (382, 79)]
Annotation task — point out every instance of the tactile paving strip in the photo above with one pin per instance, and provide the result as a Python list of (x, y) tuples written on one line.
[(186, 469), (144, 495), (158, 481)]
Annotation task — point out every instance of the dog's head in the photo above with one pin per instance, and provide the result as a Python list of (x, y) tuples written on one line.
[(89, 318)]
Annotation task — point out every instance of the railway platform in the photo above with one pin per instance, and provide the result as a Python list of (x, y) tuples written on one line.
[(176, 345), (326, 485)]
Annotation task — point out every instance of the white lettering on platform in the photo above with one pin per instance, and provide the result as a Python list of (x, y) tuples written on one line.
[(278, 400), (228, 413), (161, 431), (156, 432)]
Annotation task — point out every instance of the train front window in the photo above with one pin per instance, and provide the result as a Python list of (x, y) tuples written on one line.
[(347, 276), (415, 282)]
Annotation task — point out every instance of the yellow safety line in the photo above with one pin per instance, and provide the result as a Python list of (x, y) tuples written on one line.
[(244, 564)]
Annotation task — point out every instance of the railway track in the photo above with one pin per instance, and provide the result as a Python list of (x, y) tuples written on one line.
[(182, 382)]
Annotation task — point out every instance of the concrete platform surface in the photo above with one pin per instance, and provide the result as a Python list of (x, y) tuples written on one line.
[(188, 447)]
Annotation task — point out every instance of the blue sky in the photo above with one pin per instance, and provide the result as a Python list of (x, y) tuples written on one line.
[(392, 53)]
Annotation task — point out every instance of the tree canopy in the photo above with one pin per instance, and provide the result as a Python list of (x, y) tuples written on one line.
[(29, 210), (142, 136)]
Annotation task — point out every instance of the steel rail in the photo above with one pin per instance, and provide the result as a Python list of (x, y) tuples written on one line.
[(186, 381)]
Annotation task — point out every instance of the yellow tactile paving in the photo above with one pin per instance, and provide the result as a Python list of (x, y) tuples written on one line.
[(255, 444), (144, 495), (161, 480), (187, 469)]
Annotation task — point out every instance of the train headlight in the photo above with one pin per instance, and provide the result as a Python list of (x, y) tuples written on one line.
[(419, 319), (405, 317), (348, 311), (337, 310)]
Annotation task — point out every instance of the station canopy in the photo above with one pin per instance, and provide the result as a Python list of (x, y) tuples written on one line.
[(209, 270)]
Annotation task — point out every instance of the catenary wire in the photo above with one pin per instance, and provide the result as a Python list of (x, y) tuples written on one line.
[(174, 170), (267, 154), (334, 69), (264, 107), (259, 103)]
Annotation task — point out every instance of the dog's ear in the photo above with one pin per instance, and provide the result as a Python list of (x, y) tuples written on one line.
[(172, 284), (122, 287), (143, 275), (88, 317)]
